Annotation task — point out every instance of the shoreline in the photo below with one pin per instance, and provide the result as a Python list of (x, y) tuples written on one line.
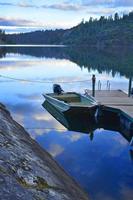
[(29, 172)]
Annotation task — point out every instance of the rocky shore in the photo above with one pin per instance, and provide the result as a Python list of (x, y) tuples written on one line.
[(28, 172)]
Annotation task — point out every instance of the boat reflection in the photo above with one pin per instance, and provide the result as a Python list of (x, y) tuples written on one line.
[(86, 124)]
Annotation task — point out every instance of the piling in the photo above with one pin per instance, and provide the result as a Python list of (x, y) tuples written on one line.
[(130, 86), (93, 85)]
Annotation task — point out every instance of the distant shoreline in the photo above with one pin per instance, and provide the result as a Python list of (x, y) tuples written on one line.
[(31, 45)]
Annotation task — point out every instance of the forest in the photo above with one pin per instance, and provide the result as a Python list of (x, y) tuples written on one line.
[(112, 30), (2, 37)]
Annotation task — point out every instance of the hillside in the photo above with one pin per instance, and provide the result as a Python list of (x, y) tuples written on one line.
[(36, 37), (105, 31)]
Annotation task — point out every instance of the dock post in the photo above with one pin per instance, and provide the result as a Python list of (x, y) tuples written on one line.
[(130, 86), (93, 85), (99, 85)]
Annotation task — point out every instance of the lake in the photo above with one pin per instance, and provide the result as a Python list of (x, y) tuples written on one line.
[(103, 166)]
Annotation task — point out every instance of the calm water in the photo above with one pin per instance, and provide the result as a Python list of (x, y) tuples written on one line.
[(103, 166)]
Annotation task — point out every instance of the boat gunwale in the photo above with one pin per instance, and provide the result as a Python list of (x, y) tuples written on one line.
[(72, 104), (59, 101)]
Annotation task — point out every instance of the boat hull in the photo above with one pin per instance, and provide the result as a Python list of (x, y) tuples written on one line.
[(61, 106), (81, 120)]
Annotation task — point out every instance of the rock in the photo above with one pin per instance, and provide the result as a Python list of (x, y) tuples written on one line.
[(28, 172)]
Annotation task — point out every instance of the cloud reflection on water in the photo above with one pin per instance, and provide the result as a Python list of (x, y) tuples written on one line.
[(102, 166), (55, 149)]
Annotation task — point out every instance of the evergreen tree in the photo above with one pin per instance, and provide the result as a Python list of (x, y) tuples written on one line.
[(116, 17)]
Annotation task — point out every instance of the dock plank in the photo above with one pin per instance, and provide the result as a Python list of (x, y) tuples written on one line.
[(115, 99)]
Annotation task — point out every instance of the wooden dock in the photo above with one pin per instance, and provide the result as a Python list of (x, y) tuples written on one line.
[(116, 99), (120, 105)]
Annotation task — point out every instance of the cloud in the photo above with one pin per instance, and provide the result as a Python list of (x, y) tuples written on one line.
[(6, 4), (16, 25), (96, 2), (108, 3), (62, 6), (37, 132), (16, 22), (55, 149), (93, 8), (72, 6), (26, 5), (65, 7), (42, 117), (20, 4), (75, 137)]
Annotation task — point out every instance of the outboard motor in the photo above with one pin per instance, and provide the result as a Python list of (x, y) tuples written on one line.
[(57, 89)]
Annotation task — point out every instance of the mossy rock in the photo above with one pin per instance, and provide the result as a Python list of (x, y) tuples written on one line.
[(23, 183), (41, 183)]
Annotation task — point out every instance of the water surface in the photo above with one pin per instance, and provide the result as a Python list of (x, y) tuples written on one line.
[(103, 166)]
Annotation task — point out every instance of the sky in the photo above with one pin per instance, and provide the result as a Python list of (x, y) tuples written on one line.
[(27, 15)]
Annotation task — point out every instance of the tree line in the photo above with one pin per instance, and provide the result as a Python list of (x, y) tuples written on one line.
[(2, 36), (111, 30), (112, 18)]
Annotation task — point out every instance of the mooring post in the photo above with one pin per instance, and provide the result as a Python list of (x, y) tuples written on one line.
[(99, 85), (129, 86), (93, 85)]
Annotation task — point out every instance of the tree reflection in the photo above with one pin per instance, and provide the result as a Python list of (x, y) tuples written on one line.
[(110, 60), (2, 52)]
